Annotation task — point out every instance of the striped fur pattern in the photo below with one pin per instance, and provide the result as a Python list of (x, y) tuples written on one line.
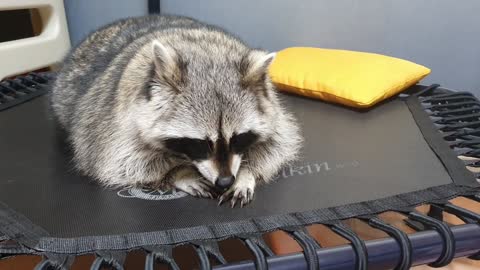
[(170, 101)]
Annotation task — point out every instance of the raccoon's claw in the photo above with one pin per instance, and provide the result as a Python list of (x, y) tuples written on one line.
[(233, 202), (241, 191), (244, 196), (225, 196), (201, 193), (194, 187)]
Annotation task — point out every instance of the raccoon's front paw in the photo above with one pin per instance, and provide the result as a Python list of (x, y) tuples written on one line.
[(197, 187), (242, 191)]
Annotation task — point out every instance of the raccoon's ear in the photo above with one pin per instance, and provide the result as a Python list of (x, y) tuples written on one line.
[(254, 67), (168, 65)]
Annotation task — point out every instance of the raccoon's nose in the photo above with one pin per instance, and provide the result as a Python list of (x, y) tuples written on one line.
[(224, 182)]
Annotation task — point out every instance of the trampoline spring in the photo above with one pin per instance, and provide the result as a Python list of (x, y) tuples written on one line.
[(448, 251), (358, 244), (402, 239)]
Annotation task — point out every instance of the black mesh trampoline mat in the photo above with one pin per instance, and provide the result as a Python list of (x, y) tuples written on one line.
[(354, 163)]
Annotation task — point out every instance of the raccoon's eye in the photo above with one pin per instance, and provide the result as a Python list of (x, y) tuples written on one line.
[(239, 143), (195, 149)]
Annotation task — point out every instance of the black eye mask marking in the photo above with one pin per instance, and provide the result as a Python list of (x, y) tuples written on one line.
[(195, 149), (239, 143)]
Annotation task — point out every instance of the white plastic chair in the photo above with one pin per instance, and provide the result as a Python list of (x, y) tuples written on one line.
[(46, 49)]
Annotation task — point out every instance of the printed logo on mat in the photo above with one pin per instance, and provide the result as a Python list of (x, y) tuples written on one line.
[(152, 195), (315, 168), (287, 172)]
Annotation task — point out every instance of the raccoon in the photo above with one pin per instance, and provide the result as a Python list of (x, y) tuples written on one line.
[(172, 102)]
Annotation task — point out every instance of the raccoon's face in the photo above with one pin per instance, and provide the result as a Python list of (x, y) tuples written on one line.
[(209, 110), (218, 161)]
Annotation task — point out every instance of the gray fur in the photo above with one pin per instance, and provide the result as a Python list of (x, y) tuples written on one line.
[(136, 82)]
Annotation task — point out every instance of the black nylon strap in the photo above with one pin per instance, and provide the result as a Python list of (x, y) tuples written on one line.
[(453, 127), (461, 133), (22, 89), (45, 265), (442, 228), (358, 244), (308, 246), (402, 239), (465, 143), (211, 247), (475, 197), (260, 259), (55, 261), (258, 241), (453, 105), (449, 98), (113, 259), (458, 118), (446, 95), (436, 212), (460, 111), (427, 89), (161, 254), (203, 257), (466, 215)]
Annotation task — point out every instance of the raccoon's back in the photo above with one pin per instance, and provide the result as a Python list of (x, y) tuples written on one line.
[(95, 54)]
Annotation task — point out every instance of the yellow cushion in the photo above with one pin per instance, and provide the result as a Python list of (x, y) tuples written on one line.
[(350, 78)]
